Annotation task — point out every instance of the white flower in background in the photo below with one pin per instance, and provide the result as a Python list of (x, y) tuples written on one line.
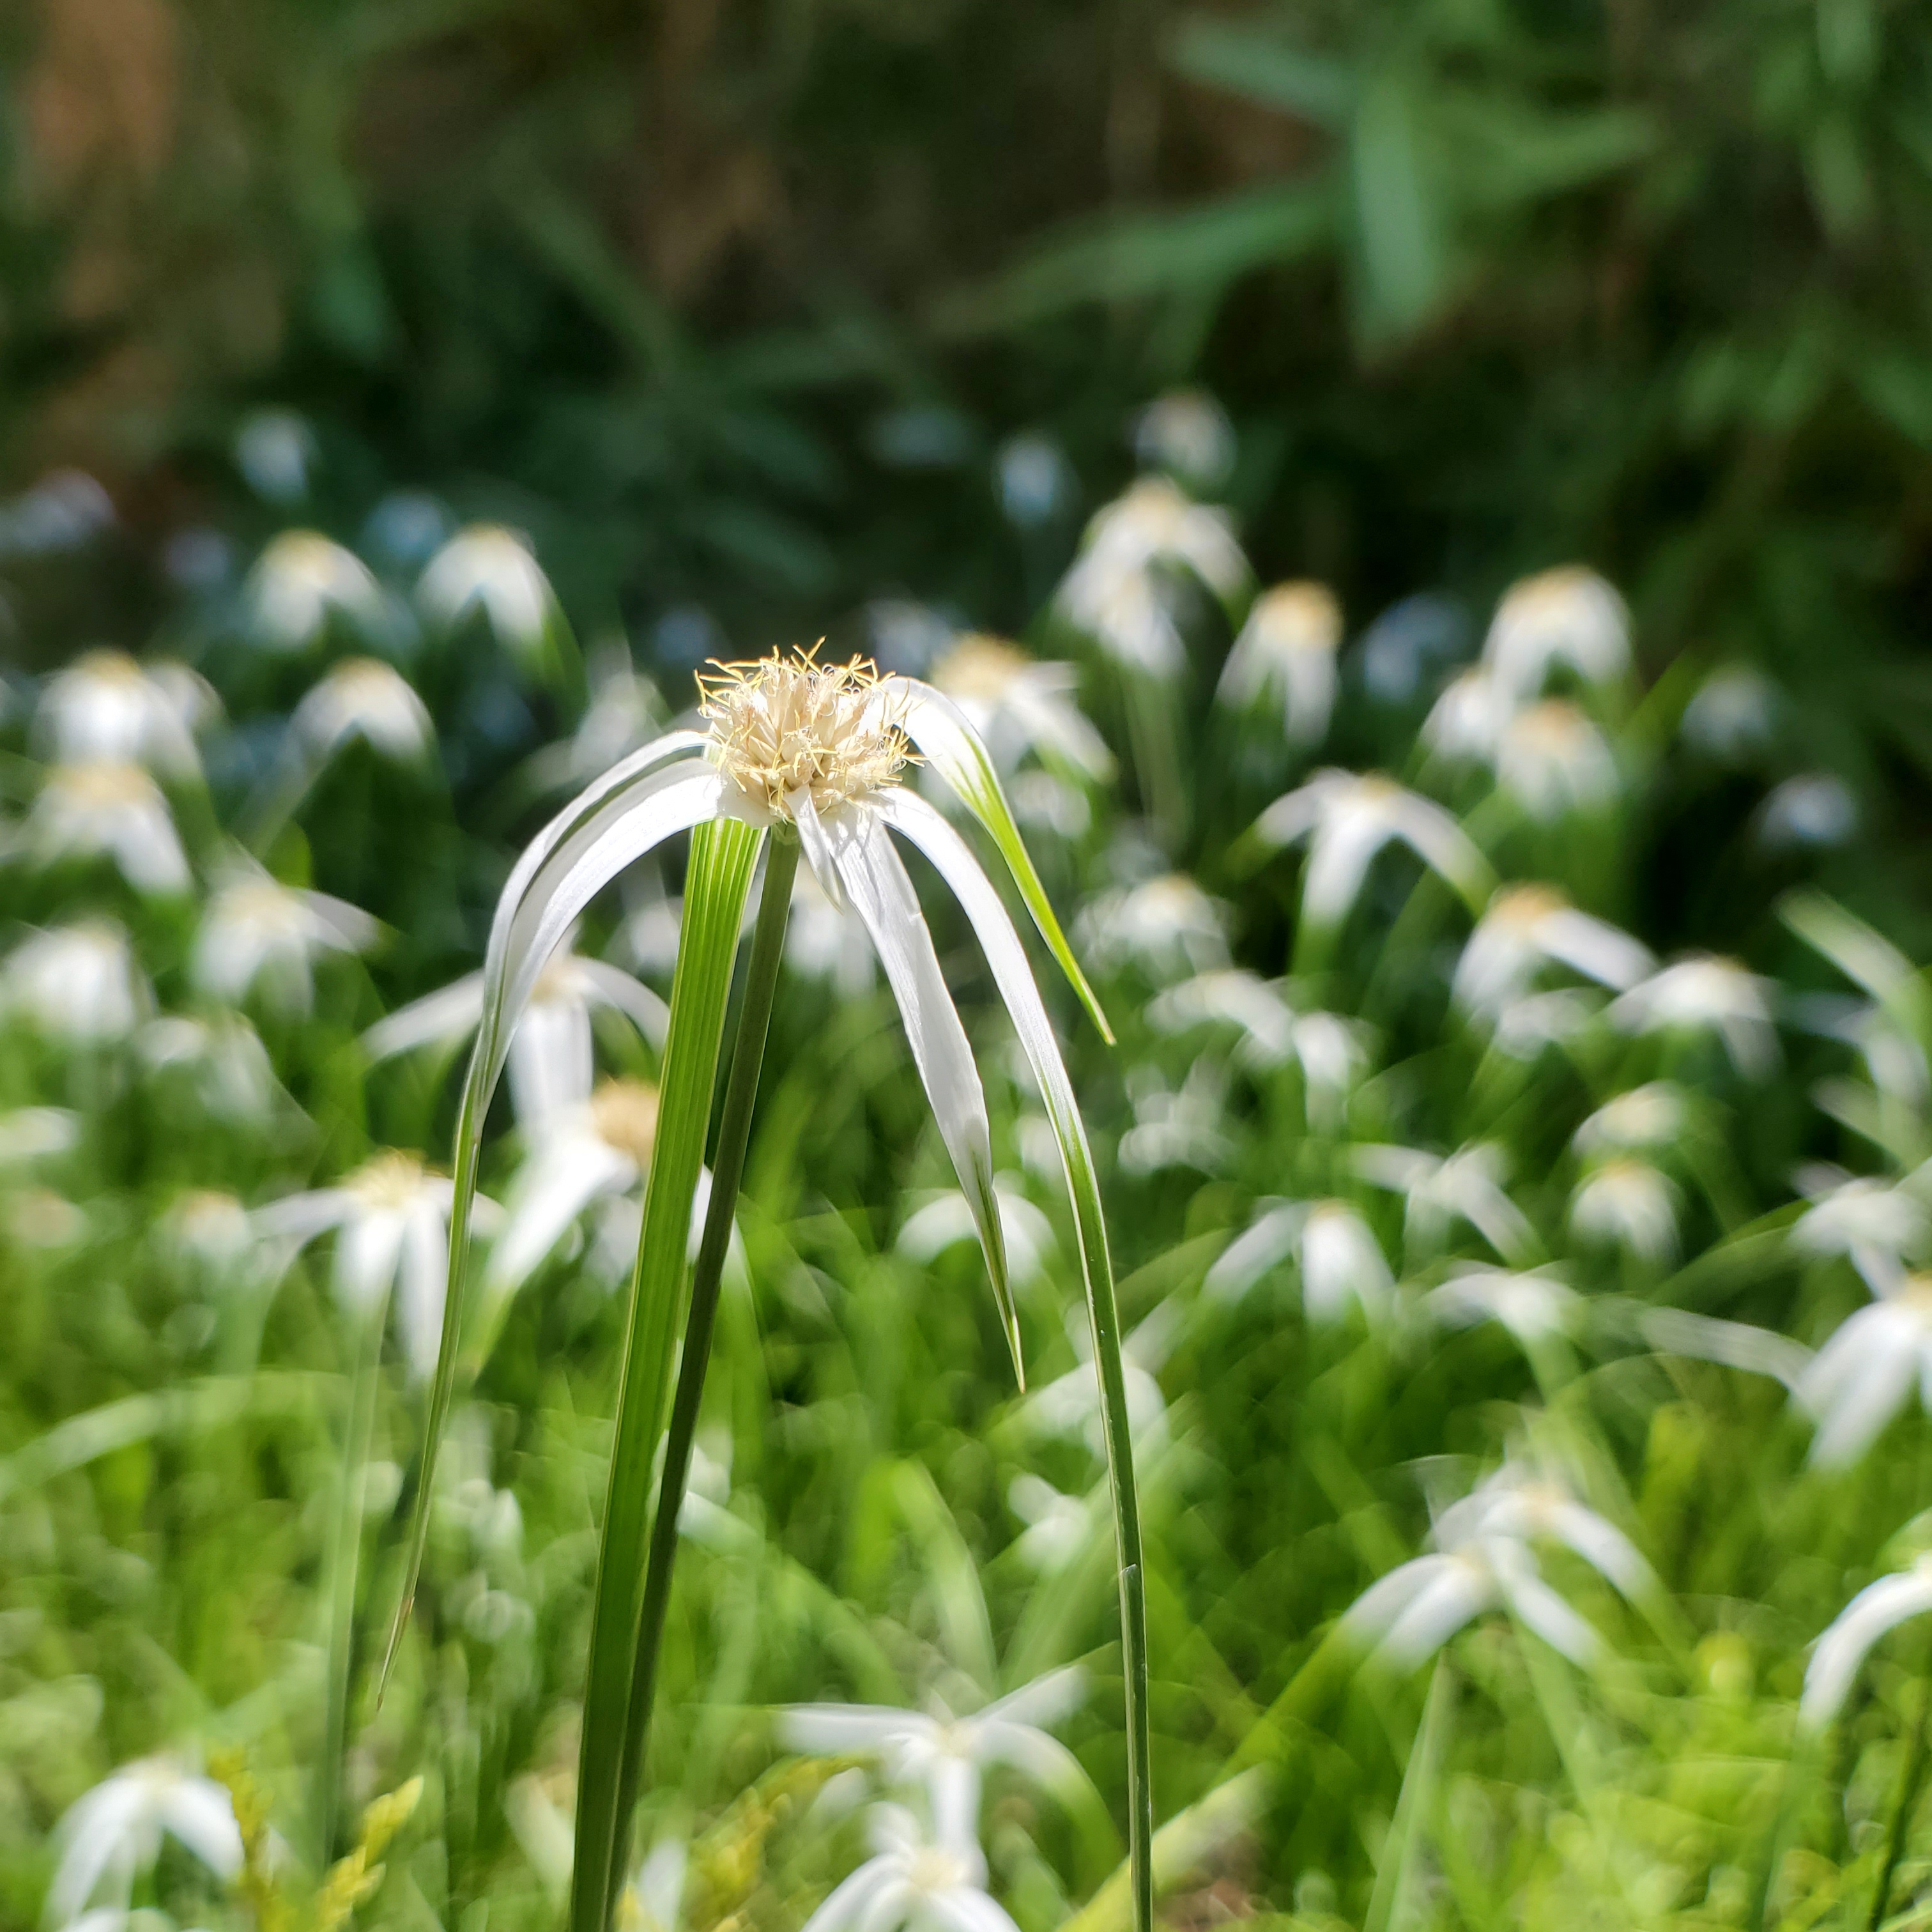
[(1814, 809), (1333, 1055), (654, 1897), (943, 1223), (1465, 1186), (1347, 817), (1628, 1204), (1734, 715), (1184, 1127), (1126, 614), (1878, 1224), (223, 1057), (109, 811), (1019, 705), (1188, 432), (273, 450), (1483, 1561), (948, 1755), (824, 941), (1840, 1652), (1653, 1115), (1070, 1406), (1233, 997), (1465, 723), (1161, 924), (578, 1154), (364, 698), (211, 1231), (625, 711), (1339, 1258), (65, 510), (1865, 1375), (390, 1219), (1732, 1345), (1703, 993), (487, 568), (1526, 927), (29, 1134), (1285, 655), (1535, 1305), (1035, 480), (933, 1885), (255, 928), (104, 708), (112, 1834), (550, 1062), (1526, 1026), (1058, 1526), (1553, 761), (303, 581), (79, 982), (1568, 616)]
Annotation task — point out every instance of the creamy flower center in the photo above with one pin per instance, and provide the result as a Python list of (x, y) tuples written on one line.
[(783, 725), (391, 1180), (261, 906), (934, 1869), (625, 1114), (978, 667), (1523, 908), (103, 785)]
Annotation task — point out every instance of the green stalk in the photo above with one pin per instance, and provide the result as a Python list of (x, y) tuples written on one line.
[(723, 855), (345, 1551), (1912, 1773), (727, 1170)]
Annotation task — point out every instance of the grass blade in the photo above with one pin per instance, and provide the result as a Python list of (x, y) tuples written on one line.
[(723, 854)]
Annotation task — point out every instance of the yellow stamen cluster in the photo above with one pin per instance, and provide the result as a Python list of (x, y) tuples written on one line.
[(783, 725), (624, 1115)]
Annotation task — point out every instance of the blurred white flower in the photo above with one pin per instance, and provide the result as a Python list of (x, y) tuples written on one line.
[(1653, 1115), (1535, 1305), (273, 451), (1628, 1204), (1465, 1186), (1036, 481), (1528, 1025), (1339, 1259), (1878, 1224), (104, 810), (301, 582), (1019, 705), (104, 708), (1230, 996), (1703, 993), (1070, 1405), (79, 982), (551, 1063), (211, 1231), (111, 1835), (1815, 808), (256, 928), (946, 1221), (63, 512), (1553, 761), (1526, 926), (38, 1217), (947, 1754), (1188, 432), (29, 1134), (1160, 925), (1568, 615), (487, 568), (1058, 1526), (1483, 1561), (653, 1898), (1733, 716), (223, 1057), (625, 711), (1733, 1344), (1184, 1127), (1347, 817), (1285, 655), (391, 1221), (363, 698), (1865, 1375), (1840, 1652), (1465, 723), (935, 1884)]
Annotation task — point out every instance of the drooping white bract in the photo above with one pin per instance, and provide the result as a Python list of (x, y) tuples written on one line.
[(256, 928), (1483, 1561), (77, 983), (944, 1223), (934, 1884), (302, 582), (551, 1063), (1058, 1526), (1569, 616), (1842, 1649), (1865, 1374), (488, 569), (1553, 761), (1650, 1116), (1347, 817), (1339, 1258), (1440, 1189), (1183, 1126), (109, 1836), (1703, 993), (390, 1219), (105, 708), (1020, 706), (360, 698), (221, 1059), (1188, 432), (1284, 655), (104, 810), (625, 710), (1070, 1404), (1535, 1305), (1627, 1203), (1880, 1225), (1525, 927), (948, 1755), (1163, 926)]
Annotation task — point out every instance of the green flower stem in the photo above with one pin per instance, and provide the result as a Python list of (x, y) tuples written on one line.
[(727, 1170), (344, 1553)]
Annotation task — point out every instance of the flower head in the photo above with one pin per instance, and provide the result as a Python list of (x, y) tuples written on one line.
[(79, 982), (102, 809), (1628, 1204), (1020, 705), (1526, 926), (363, 698), (1878, 1608), (489, 568), (301, 581), (1652, 1115), (1865, 1374), (113, 1834), (1554, 760), (1285, 652), (937, 1884), (256, 928), (1703, 993), (105, 707), (1568, 615)]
